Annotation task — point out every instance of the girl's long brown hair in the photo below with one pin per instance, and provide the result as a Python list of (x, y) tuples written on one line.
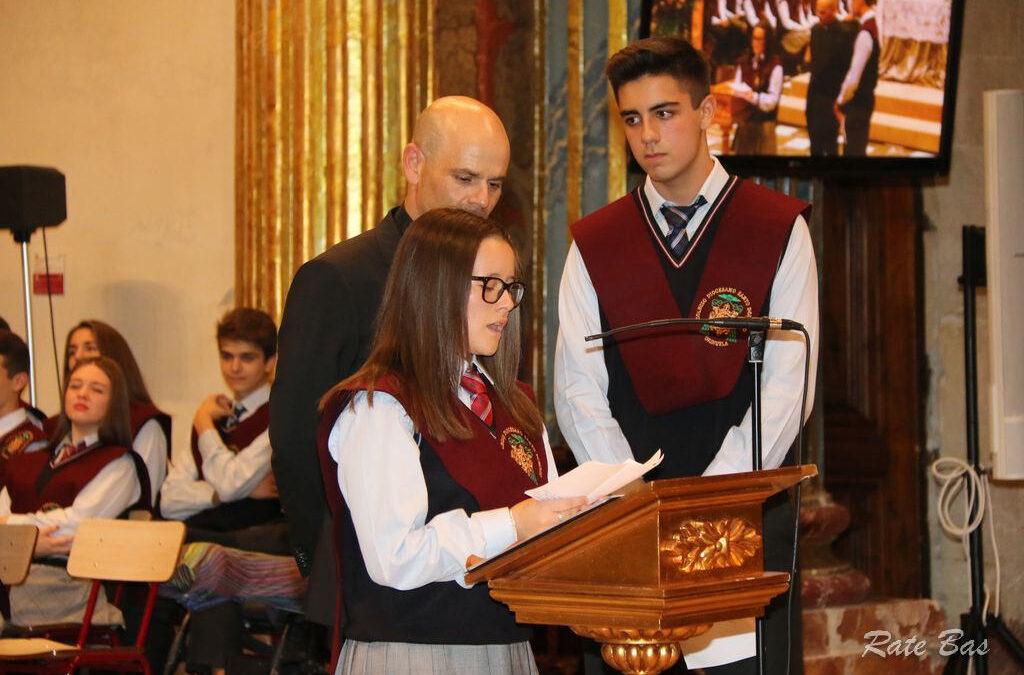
[(115, 428), (421, 337), (113, 345)]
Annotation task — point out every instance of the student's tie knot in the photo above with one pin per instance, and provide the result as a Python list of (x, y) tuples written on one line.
[(68, 451), (677, 218), (479, 401), (231, 421)]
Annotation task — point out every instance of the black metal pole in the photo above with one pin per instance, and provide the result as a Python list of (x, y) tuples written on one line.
[(755, 356), (973, 622)]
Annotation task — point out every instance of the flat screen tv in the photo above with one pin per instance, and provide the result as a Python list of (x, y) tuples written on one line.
[(796, 95)]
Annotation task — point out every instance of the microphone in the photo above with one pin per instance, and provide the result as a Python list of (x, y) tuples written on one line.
[(748, 322)]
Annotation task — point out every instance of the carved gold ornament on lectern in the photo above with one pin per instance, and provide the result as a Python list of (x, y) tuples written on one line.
[(702, 545)]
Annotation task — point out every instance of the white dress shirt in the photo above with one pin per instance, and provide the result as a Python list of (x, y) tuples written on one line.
[(227, 475), (383, 485), (107, 495), (581, 384), (12, 420), (765, 101), (788, 21)]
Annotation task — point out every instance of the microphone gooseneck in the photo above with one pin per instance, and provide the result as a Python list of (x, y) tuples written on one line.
[(748, 322)]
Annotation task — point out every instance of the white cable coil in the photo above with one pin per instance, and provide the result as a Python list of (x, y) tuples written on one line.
[(953, 476)]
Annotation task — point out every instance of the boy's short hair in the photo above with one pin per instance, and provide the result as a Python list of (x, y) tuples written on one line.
[(672, 56), (249, 325), (14, 352)]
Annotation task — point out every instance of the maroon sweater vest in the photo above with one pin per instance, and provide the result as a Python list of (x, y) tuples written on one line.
[(496, 469), (244, 433), (33, 484), (671, 370)]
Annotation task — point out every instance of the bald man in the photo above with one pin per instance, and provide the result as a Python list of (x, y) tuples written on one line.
[(458, 157)]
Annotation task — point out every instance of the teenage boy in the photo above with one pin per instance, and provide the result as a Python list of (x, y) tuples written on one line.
[(692, 241), (223, 483), (222, 486), (20, 429)]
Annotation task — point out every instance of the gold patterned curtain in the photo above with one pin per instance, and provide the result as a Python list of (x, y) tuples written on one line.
[(327, 91)]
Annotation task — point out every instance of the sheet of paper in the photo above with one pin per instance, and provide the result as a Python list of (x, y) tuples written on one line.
[(594, 479)]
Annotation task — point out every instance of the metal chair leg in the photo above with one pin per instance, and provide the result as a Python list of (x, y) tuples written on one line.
[(174, 654)]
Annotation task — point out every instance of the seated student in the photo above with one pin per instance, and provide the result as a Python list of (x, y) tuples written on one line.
[(435, 442), (150, 427), (20, 429), (85, 472), (222, 486)]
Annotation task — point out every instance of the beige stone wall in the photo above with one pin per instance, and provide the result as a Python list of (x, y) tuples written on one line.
[(992, 58), (133, 100)]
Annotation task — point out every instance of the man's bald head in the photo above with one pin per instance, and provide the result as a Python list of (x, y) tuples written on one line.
[(458, 157), (827, 10)]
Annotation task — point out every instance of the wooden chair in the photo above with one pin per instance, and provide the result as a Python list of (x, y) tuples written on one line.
[(104, 550), (17, 543)]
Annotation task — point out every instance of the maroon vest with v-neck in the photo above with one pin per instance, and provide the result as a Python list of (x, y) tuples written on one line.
[(496, 468), (33, 484), (239, 437), (626, 258)]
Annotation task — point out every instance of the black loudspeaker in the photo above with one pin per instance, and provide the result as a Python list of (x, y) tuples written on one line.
[(31, 197)]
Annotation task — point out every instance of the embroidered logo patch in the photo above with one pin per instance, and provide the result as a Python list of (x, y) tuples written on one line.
[(16, 444), (722, 303), (521, 450)]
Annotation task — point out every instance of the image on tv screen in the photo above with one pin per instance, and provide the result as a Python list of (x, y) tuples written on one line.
[(831, 79)]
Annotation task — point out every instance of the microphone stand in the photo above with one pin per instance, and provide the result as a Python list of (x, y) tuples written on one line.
[(755, 357), (757, 328)]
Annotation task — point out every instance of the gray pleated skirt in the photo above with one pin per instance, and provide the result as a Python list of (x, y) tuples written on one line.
[(400, 658)]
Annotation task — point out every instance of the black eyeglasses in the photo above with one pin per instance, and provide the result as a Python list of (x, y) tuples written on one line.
[(492, 288)]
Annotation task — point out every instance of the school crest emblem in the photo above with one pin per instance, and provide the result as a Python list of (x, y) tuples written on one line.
[(724, 302), (15, 444), (521, 450)]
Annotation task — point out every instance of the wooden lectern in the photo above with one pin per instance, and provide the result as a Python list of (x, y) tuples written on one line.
[(659, 565)]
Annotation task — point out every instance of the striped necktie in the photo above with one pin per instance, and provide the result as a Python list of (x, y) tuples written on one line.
[(231, 421), (479, 401), (67, 452), (677, 218)]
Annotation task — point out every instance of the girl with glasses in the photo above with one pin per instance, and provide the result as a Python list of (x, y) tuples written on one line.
[(427, 452)]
